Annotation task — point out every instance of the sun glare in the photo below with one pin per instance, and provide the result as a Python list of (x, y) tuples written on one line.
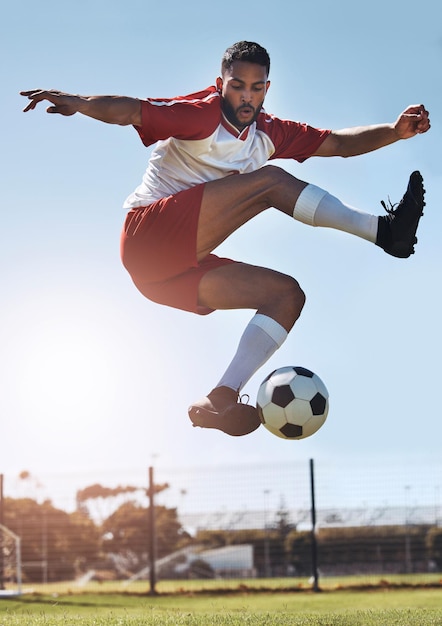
[(65, 376)]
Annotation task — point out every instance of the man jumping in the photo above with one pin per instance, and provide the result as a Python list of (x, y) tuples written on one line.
[(208, 174)]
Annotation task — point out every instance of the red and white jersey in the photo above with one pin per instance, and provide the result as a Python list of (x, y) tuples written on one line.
[(195, 143)]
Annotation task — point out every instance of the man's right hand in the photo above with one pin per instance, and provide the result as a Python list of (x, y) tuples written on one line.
[(63, 103)]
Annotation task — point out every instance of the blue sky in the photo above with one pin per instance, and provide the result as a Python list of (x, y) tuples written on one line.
[(95, 376)]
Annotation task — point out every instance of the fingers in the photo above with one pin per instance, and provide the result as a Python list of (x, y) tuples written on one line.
[(37, 95), (31, 92), (415, 120), (30, 106), (423, 114), (423, 123), (416, 109)]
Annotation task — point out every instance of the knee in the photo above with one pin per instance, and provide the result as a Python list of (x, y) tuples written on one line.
[(288, 300), (275, 175), (297, 296), (276, 182)]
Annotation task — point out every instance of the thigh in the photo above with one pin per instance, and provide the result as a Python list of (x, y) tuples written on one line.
[(244, 286), (181, 291), (230, 202)]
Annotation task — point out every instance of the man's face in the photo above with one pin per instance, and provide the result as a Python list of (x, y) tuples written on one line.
[(243, 88)]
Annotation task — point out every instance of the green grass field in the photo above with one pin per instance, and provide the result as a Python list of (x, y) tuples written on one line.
[(243, 604)]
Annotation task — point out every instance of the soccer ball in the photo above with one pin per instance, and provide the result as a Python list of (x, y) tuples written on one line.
[(292, 402)]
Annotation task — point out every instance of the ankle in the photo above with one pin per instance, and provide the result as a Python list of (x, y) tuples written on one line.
[(383, 236), (223, 396)]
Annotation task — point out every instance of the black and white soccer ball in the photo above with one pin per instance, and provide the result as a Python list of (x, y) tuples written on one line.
[(292, 402)]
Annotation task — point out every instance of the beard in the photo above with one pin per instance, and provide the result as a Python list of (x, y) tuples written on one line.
[(232, 113)]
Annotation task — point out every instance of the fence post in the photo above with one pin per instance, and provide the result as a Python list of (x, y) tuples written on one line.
[(2, 573), (152, 538), (315, 573)]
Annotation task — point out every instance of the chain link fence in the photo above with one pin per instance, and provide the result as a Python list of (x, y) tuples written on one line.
[(225, 523)]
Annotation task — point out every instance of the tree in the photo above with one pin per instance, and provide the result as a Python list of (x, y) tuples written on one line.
[(54, 543), (434, 546), (98, 502), (383, 548), (282, 523), (299, 551), (126, 533)]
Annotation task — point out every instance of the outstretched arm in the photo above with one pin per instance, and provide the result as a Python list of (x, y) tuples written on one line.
[(362, 139), (110, 109)]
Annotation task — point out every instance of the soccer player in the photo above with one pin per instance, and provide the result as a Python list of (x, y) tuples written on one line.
[(208, 174)]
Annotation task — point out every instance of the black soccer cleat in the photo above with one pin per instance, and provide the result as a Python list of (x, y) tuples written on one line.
[(397, 230), (222, 409)]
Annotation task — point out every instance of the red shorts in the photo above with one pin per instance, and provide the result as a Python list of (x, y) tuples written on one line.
[(158, 249)]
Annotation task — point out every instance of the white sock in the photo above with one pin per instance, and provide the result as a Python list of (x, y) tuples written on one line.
[(260, 340), (317, 207)]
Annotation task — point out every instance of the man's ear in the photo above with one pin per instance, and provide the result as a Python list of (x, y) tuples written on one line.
[(219, 84)]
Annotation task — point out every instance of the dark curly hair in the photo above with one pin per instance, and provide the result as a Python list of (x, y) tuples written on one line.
[(245, 51)]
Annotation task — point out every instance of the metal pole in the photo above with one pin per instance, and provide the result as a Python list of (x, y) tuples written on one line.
[(152, 539), (2, 573), (19, 578), (315, 572), (408, 560), (44, 546), (267, 571)]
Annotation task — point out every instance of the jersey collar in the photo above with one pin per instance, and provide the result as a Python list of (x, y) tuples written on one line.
[(233, 130)]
